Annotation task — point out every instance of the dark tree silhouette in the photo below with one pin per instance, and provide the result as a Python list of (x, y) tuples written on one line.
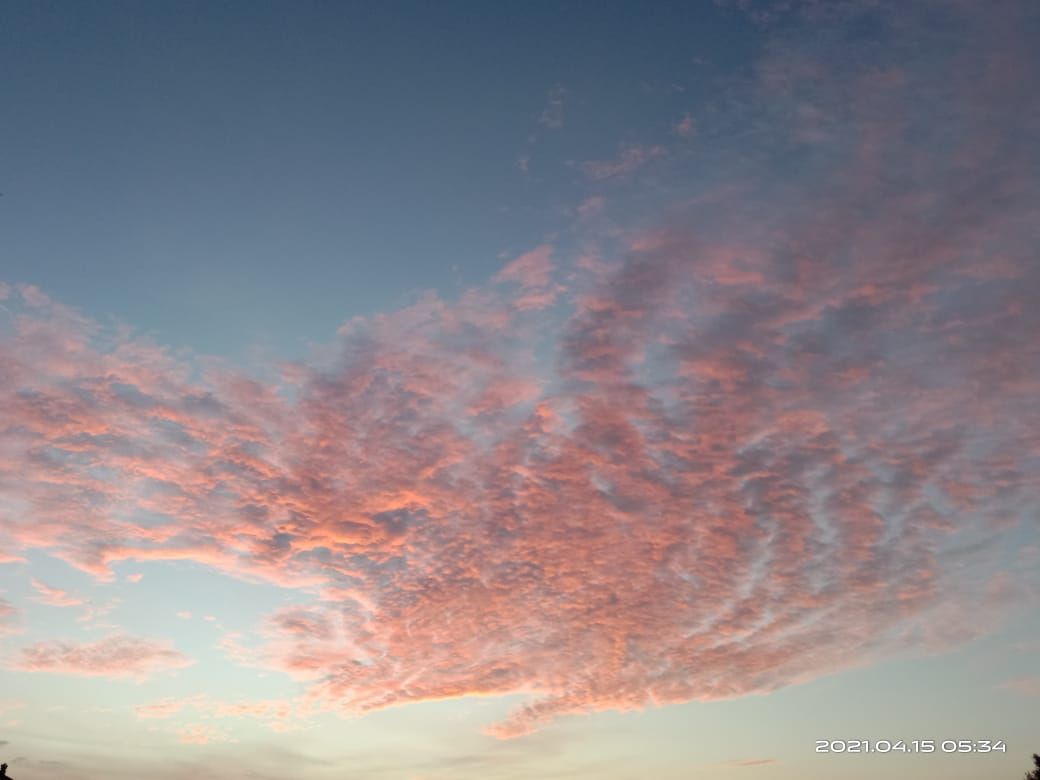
[(3, 773), (1035, 774)]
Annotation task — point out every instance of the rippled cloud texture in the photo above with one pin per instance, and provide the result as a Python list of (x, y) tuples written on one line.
[(785, 425)]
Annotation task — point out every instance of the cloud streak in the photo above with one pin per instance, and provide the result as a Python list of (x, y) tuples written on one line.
[(630, 159), (114, 656), (279, 715), (1023, 686), (55, 597)]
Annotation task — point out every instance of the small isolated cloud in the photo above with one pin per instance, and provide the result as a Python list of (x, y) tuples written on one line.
[(531, 269), (591, 206), (1023, 686), (552, 114), (167, 708), (184, 614), (750, 762), (200, 734), (686, 127), (631, 159), (9, 617), (55, 597), (94, 614), (114, 656), (533, 272), (134, 577), (281, 715)]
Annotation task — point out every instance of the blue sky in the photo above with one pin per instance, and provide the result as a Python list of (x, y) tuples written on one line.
[(227, 173)]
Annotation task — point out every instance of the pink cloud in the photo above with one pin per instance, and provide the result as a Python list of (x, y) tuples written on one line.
[(94, 614), (531, 269), (789, 429), (496, 544), (10, 618), (591, 206), (533, 272), (114, 656), (201, 734), (55, 597), (686, 127), (167, 708), (630, 159), (1024, 686), (279, 715)]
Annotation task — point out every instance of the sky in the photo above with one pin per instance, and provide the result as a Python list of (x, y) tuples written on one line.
[(443, 391)]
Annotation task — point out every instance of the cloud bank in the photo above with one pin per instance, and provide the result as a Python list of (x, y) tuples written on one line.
[(789, 428)]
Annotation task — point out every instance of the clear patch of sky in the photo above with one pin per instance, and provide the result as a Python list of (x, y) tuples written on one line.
[(241, 175)]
